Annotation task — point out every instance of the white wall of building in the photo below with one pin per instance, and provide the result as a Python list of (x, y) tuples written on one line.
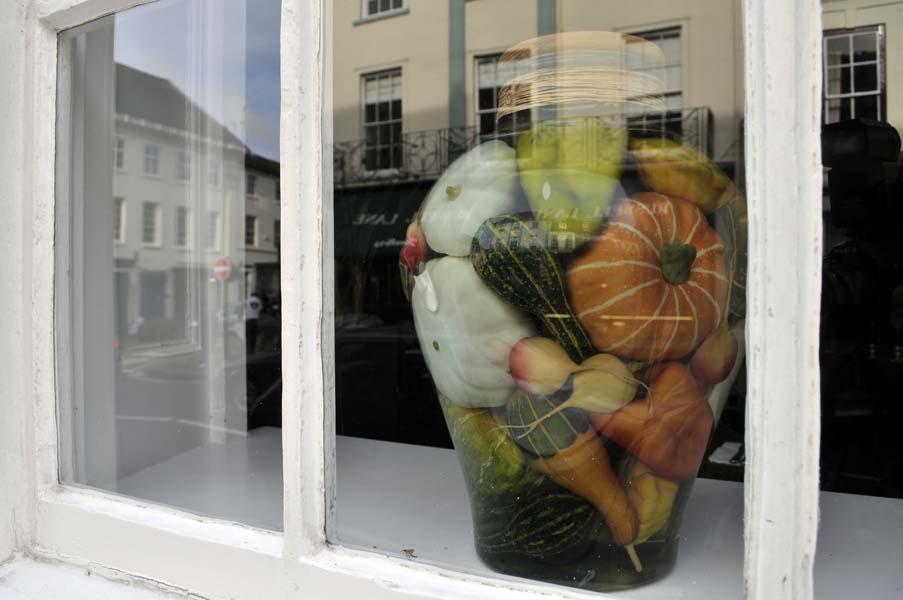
[(14, 291)]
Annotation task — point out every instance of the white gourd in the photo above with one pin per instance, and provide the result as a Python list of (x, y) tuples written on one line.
[(466, 333), (481, 184)]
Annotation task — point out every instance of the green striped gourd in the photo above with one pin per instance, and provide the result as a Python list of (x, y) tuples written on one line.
[(550, 525), (511, 256)]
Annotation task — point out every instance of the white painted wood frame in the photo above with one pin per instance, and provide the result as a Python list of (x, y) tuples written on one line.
[(784, 189), (126, 537)]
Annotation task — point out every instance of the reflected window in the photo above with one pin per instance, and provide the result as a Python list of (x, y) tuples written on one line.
[(854, 74), (491, 77), (181, 226), (250, 231), (150, 223), (183, 166), (212, 230), (382, 120), (119, 220), (151, 159), (670, 122), (375, 7), (160, 401), (119, 153), (277, 232)]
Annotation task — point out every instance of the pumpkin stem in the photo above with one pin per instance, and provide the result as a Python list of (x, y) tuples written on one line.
[(677, 261)]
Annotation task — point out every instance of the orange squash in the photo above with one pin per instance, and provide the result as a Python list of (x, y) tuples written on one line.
[(669, 429), (653, 284)]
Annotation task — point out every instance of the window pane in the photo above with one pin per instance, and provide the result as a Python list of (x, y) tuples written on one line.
[(487, 98), (865, 47), (838, 50), (838, 80), (865, 78), (162, 403), (487, 123), (861, 348), (867, 107), (426, 387)]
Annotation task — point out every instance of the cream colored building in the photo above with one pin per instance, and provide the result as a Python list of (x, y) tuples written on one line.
[(432, 49), (436, 47)]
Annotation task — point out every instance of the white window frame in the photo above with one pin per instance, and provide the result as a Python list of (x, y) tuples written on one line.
[(391, 73), (478, 112), (880, 62), (129, 538)]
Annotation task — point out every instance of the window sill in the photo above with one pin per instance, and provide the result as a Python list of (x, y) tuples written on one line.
[(395, 496), (380, 16), (24, 579)]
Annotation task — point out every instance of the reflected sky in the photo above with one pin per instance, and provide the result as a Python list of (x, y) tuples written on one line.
[(239, 40)]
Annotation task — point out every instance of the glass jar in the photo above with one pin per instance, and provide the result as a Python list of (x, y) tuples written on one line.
[(582, 339)]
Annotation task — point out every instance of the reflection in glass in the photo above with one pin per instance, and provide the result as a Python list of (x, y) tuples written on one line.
[(861, 350), (173, 302), (481, 285)]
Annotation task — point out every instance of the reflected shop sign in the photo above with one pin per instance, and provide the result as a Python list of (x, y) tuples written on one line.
[(371, 222), (388, 221)]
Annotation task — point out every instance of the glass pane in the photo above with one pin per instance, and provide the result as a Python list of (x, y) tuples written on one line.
[(370, 95), (838, 80), (487, 123), (838, 50), (487, 279), (370, 113), (867, 107), (487, 98), (670, 47), (861, 345), (865, 78), (396, 109), (173, 361), (384, 87), (382, 111), (673, 79), (865, 47)]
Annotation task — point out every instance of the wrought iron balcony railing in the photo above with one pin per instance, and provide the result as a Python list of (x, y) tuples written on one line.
[(424, 155)]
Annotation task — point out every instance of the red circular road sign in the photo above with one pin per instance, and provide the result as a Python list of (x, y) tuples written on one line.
[(221, 269)]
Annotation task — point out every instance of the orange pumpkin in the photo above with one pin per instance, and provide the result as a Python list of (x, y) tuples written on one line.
[(652, 285)]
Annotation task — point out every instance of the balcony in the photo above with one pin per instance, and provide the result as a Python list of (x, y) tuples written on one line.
[(424, 155)]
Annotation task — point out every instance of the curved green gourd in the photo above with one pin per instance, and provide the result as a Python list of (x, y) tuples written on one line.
[(510, 255)]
